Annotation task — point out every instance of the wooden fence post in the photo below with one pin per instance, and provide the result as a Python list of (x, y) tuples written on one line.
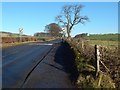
[(83, 45), (97, 57)]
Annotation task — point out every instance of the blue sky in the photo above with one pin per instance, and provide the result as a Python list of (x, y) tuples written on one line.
[(33, 16)]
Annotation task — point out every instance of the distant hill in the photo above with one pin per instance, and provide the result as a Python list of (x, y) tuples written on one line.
[(81, 35), (9, 34), (5, 34)]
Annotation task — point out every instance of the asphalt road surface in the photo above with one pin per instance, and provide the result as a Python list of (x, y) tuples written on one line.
[(51, 72), (18, 61)]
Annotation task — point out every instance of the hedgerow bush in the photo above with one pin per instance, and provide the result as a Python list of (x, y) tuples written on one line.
[(17, 39)]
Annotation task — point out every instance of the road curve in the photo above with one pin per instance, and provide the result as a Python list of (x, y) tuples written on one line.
[(18, 61)]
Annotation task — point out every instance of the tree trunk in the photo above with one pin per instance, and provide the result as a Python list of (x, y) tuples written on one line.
[(68, 32)]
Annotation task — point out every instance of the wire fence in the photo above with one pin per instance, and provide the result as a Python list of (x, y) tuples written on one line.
[(109, 58)]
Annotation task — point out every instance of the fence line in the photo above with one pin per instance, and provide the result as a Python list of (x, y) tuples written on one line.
[(106, 54), (105, 58)]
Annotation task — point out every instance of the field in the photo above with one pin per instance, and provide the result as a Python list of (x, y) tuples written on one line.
[(109, 40), (104, 43), (104, 37)]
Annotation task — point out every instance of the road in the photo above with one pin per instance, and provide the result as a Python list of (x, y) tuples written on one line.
[(52, 71), (18, 61)]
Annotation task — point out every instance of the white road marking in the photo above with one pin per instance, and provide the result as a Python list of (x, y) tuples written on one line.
[(49, 44)]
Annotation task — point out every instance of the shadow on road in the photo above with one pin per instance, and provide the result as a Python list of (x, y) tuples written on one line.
[(66, 58)]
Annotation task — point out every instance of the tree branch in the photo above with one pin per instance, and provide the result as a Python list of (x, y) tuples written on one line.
[(71, 16), (58, 18)]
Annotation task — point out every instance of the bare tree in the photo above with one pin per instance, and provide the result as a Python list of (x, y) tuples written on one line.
[(70, 17)]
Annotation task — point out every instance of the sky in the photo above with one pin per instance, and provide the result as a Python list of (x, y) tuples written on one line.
[(34, 16)]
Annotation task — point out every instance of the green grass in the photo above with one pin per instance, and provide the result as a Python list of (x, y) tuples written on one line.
[(104, 43), (103, 39), (109, 37)]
